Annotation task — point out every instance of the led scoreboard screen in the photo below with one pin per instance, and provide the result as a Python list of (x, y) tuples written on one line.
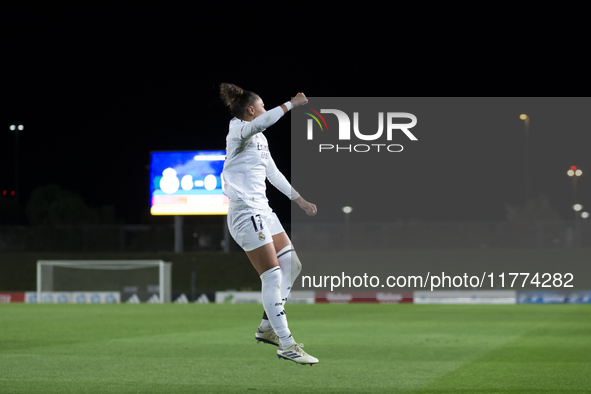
[(187, 183)]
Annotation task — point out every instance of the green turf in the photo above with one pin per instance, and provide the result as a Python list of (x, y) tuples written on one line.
[(363, 348)]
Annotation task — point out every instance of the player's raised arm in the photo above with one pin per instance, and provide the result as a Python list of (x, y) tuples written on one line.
[(249, 107), (260, 119), (299, 100)]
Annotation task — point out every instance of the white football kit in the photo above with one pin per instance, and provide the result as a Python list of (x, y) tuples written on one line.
[(248, 163)]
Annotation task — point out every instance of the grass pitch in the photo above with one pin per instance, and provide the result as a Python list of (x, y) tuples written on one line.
[(363, 348)]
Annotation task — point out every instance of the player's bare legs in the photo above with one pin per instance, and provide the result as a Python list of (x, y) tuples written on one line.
[(263, 258), (280, 241)]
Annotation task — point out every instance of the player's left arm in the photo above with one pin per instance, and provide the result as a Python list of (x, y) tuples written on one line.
[(277, 179)]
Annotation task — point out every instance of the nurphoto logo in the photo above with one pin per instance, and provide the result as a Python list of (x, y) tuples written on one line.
[(344, 130)]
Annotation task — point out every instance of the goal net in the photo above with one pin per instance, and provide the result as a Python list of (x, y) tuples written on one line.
[(142, 278)]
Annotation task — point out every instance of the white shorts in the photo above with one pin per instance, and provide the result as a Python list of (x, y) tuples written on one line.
[(253, 228)]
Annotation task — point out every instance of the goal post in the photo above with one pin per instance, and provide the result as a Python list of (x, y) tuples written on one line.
[(143, 277)]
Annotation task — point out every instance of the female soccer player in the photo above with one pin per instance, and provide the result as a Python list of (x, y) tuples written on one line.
[(253, 225)]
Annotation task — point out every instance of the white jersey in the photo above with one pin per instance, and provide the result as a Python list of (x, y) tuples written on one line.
[(248, 163)]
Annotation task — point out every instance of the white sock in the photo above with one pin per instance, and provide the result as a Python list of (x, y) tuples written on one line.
[(271, 285), (266, 324), (290, 269)]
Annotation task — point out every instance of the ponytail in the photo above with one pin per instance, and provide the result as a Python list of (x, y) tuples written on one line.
[(236, 98)]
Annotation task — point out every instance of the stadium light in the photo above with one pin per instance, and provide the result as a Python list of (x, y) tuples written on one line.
[(577, 207), (585, 215), (574, 171), (347, 209)]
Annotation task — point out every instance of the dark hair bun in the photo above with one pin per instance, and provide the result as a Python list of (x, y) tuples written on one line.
[(230, 92), (237, 99)]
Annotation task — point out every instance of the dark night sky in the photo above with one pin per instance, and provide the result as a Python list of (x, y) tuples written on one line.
[(99, 87)]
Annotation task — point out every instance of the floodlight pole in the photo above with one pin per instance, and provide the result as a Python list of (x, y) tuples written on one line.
[(526, 125), (16, 191), (347, 210), (226, 235), (39, 282), (16, 128), (178, 234), (161, 281)]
